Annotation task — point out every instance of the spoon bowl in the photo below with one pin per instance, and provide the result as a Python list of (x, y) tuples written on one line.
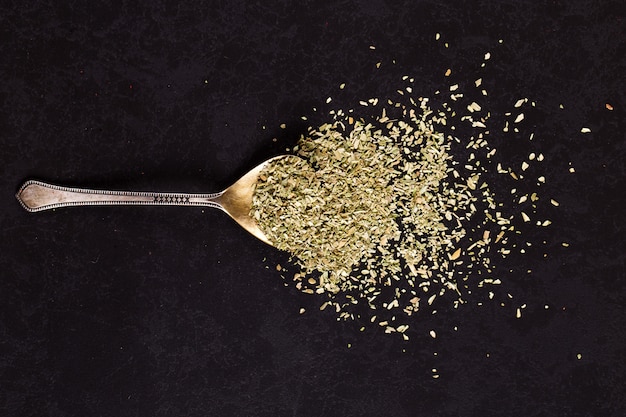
[(235, 200)]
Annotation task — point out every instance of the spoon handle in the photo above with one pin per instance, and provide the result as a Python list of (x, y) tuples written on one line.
[(37, 196)]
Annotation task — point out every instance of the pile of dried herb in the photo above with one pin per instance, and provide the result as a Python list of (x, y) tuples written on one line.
[(383, 211), (370, 204)]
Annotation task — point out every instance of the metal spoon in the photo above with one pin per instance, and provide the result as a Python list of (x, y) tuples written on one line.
[(235, 200)]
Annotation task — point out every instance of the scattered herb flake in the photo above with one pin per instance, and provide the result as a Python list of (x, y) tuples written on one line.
[(378, 209)]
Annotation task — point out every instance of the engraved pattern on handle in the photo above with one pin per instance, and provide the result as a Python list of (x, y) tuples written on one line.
[(37, 196)]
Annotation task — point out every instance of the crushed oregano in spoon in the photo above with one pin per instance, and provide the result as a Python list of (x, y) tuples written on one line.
[(373, 204), (385, 210)]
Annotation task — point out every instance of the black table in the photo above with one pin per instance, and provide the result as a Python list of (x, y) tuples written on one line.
[(159, 311)]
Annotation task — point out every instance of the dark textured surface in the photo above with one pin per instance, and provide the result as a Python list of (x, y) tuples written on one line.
[(149, 311)]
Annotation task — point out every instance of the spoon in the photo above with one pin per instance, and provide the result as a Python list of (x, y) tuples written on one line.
[(235, 200)]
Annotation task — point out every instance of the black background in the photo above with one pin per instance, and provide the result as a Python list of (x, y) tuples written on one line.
[(159, 311)]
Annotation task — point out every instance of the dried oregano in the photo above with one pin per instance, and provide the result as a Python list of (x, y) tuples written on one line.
[(377, 212)]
